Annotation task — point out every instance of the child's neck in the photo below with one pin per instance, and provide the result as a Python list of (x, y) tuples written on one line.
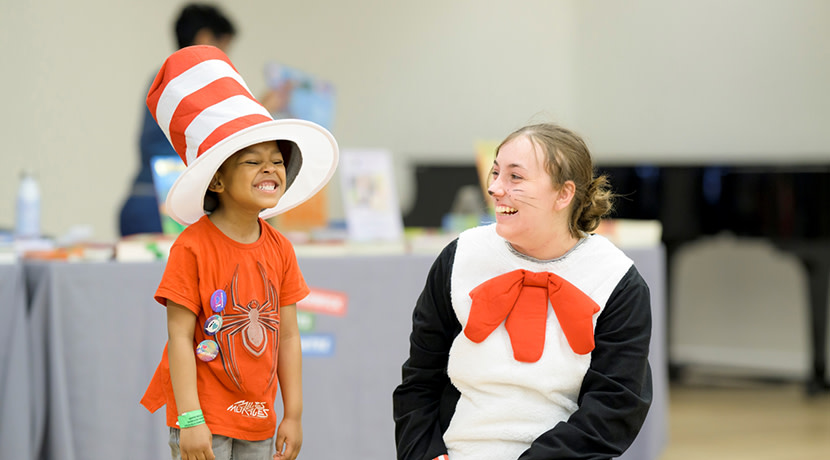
[(240, 227)]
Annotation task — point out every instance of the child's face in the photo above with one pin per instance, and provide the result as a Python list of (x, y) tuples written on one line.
[(252, 179)]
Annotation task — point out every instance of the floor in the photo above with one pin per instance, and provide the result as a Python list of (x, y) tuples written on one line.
[(747, 419)]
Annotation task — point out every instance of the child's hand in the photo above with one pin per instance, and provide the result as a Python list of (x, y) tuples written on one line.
[(196, 443), (289, 440)]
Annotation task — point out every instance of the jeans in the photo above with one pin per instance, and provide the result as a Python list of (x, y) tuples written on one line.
[(225, 448)]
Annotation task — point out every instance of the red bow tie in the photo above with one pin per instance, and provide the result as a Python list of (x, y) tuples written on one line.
[(521, 297)]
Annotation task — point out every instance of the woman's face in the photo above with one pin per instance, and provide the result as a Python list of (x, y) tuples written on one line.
[(525, 200)]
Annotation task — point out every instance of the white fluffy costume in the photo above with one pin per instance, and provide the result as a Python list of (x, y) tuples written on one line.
[(583, 394)]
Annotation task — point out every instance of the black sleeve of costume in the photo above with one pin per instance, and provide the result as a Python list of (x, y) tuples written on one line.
[(425, 400), (616, 392)]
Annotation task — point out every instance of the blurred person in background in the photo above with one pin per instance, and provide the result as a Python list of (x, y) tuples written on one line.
[(196, 24)]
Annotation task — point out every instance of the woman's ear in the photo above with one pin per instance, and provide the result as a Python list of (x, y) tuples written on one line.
[(565, 195)]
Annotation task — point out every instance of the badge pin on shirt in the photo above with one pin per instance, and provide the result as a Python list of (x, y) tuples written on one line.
[(207, 350)]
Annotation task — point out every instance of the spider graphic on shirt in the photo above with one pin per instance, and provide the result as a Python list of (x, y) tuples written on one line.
[(254, 324)]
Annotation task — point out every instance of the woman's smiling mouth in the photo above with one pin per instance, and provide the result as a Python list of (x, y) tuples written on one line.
[(506, 210)]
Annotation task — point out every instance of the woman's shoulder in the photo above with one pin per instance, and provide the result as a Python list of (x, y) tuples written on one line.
[(482, 250), (484, 234), (597, 245), (599, 259)]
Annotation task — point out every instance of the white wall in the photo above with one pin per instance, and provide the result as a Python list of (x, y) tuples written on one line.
[(423, 79), (697, 80), (670, 81), (705, 80)]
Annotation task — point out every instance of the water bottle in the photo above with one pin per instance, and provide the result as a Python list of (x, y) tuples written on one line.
[(27, 223)]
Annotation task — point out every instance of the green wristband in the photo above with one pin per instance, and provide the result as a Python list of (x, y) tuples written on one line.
[(191, 419)]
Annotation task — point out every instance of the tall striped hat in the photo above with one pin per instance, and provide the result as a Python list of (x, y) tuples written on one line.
[(208, 113)]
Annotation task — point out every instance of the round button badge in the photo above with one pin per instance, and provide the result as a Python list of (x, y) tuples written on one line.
[(207, 350), (213, 324), (218, 300)]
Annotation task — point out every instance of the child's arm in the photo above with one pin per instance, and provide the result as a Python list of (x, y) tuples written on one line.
[(194, 442), (289, 370)]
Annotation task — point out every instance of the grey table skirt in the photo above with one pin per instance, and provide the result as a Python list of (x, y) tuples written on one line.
[(97, 335), (17, 419)]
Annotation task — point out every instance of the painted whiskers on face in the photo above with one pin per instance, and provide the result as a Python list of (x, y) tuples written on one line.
[(513, 194), (519, 195)]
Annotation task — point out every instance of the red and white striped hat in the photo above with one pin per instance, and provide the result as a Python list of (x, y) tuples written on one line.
[(208, 113)]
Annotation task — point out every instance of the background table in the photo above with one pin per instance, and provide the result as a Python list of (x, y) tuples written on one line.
[(16, 417), (102, 336)]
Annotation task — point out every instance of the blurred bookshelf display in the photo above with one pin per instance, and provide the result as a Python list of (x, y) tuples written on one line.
[(329, 241), (370, 200)]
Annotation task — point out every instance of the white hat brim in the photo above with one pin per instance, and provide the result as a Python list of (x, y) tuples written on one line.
[(185, 200)]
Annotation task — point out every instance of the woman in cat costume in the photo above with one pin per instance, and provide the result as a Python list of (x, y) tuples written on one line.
[(530, 339)]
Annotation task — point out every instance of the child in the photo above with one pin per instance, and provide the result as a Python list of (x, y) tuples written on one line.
[(232, 282)]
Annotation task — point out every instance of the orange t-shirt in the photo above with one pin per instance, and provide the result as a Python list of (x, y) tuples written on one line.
[(238, 388)]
